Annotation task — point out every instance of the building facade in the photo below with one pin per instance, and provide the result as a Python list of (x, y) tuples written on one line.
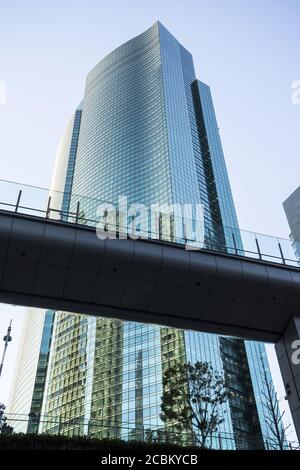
[(292, 211), (146, 129), (26, 376)]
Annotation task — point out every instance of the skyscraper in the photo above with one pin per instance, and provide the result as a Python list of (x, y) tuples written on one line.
[(146, 129), (292, 211)]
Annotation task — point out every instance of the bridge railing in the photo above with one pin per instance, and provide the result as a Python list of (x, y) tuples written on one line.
[(73, 208), (35, 423)]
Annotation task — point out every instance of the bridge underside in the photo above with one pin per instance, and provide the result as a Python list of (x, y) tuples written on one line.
[(63, 266)]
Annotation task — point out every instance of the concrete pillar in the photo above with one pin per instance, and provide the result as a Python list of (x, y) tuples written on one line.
[(288, 354)]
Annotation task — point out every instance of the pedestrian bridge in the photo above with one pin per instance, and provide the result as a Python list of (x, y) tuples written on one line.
[(248, 286), (64, 266)]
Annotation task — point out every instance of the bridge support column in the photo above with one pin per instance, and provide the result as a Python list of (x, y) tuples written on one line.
[(288, 354)]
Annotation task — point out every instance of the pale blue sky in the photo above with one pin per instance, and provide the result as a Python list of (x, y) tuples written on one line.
[(247, 51)]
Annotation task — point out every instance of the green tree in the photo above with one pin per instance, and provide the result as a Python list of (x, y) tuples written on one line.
[(2, 415), (4, 427), (273, 416), (193, 399)]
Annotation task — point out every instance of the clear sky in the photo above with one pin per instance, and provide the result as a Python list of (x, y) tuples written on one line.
[(247, 51)]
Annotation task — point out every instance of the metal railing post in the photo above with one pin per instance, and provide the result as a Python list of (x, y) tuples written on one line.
[(258, 249), (281, 253), (77, 212), (220, 441), (18, 200), (234, 244), (267, 444), (48, 208)]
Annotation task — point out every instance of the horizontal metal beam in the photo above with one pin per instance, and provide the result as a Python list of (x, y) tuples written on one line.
[(53, 264)]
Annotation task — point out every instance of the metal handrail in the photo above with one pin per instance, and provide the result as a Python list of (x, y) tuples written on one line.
[(143, 432), (234, 248)]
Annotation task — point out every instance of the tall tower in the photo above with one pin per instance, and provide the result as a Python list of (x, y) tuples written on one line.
[(292, 211), (145, 129)]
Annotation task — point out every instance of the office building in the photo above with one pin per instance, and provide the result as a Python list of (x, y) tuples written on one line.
[(145, 129)]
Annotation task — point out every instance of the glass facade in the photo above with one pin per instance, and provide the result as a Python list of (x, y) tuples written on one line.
[(40, 378), (292, 211), (26, 376), (146, 129)]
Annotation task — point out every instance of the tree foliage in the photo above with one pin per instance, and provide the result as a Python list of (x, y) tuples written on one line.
[(193, 399), (273, 415), (4, 428)]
